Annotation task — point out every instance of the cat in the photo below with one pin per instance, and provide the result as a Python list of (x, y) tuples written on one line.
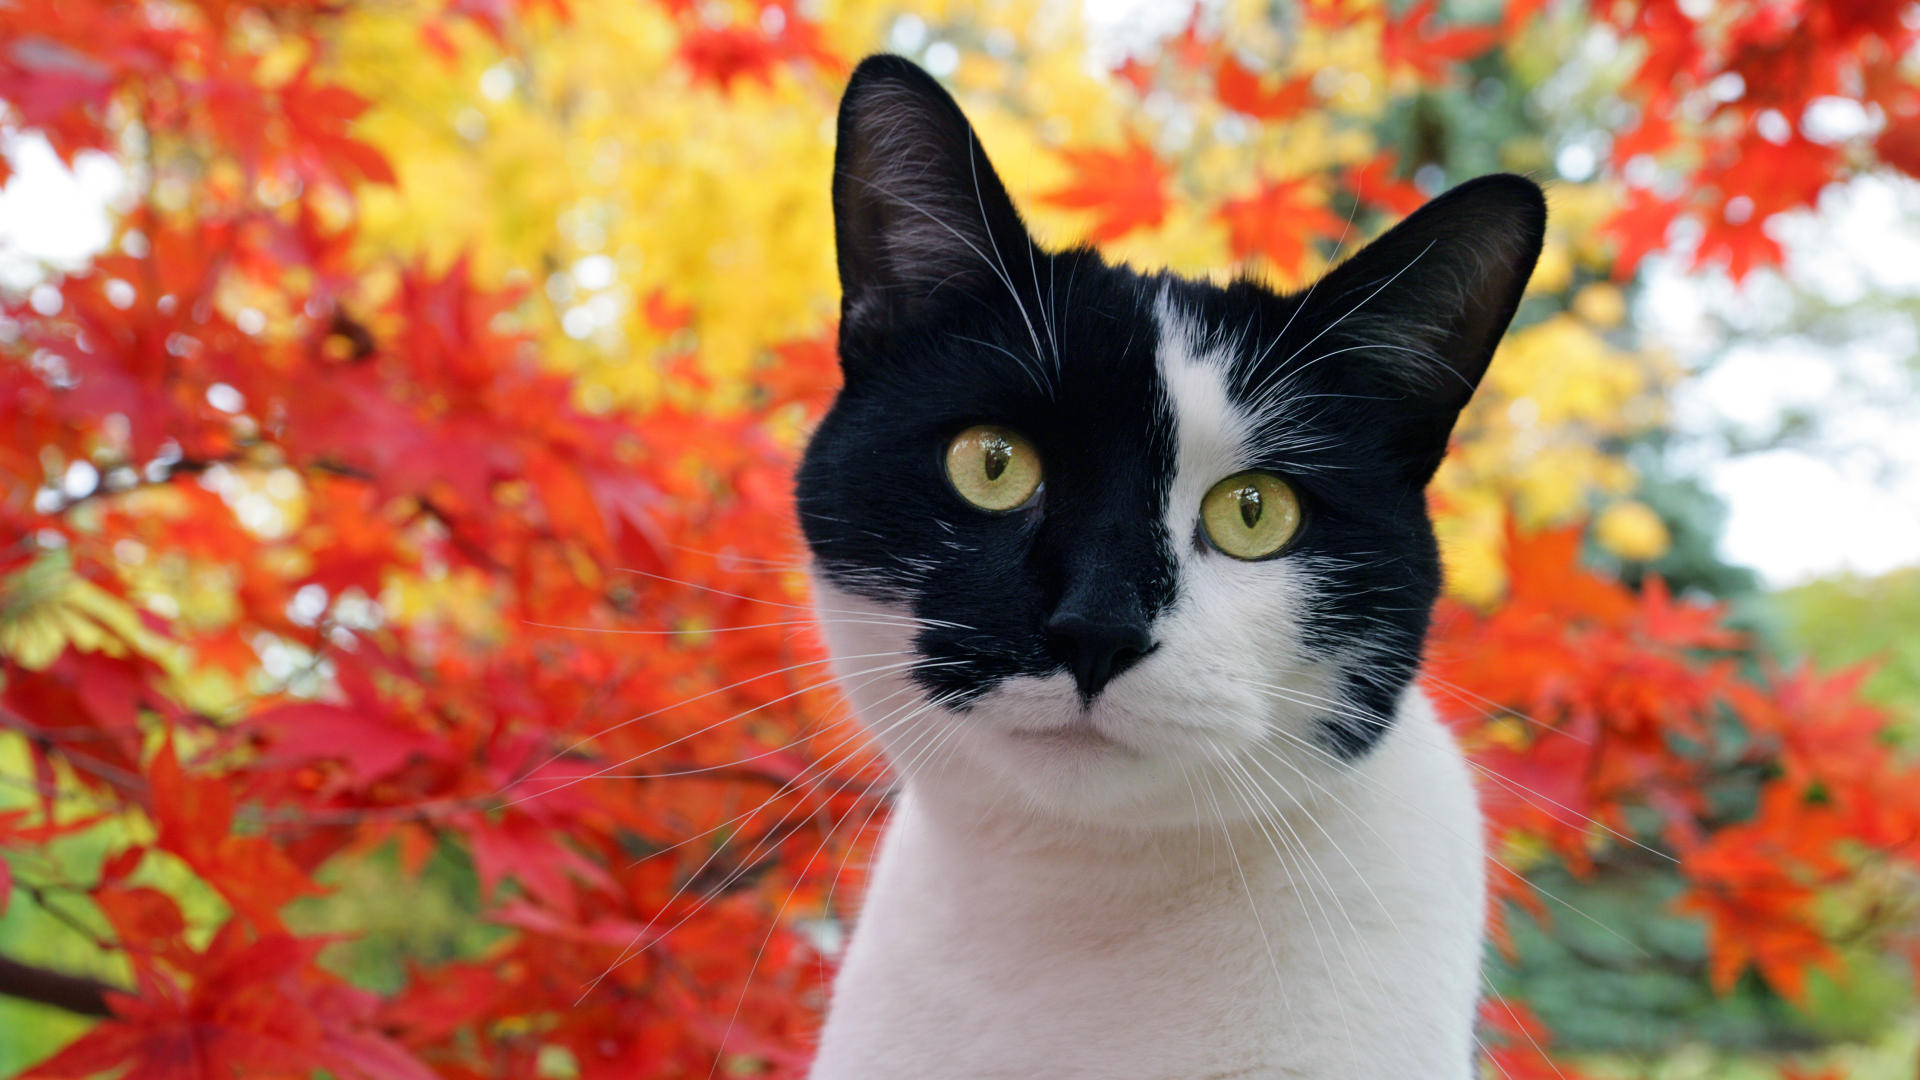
[(1171, 803)]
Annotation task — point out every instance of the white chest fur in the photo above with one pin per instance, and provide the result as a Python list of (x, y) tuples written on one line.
[(1338, 940)]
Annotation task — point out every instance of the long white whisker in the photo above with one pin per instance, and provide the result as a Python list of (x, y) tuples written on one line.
[(1301, 697), (635, 948), (631, 758), (693, 631), (1016, 357), (1477, 841), (1302, 305), (904, 620), (995, 264), (1253, 906), (973, 165), (1362, 303), (1297, 868), (779, 913)]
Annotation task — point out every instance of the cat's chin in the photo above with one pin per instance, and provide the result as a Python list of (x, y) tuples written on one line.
[(1078, 738), (1072, 779), (1035, 748)]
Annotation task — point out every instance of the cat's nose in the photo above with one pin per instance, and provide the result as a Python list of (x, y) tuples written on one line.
[(1096, 649)]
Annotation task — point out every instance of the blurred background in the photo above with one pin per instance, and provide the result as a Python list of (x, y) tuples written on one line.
[(404, 669)]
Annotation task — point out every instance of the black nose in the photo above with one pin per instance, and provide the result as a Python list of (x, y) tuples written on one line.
[(1097, 649)]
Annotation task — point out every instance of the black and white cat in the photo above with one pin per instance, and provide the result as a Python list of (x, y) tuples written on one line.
[(1172, 806)]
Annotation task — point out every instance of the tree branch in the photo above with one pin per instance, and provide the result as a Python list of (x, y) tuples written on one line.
[(74, 993)]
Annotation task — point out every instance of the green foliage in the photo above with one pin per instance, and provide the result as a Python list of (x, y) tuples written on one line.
[(1617, 970), (389, 918), (1853, 620)]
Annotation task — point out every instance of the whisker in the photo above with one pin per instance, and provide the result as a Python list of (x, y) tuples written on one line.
[(1302, 697), (1521, 1027), (774, 925), (1477, 841), (635, 948), (973, 166), (1303, 883), (697, 630), (905, 620), (1266, 940), (1302, 305), (630, 759), (1363, 302), (1016, 357), (996, 264)]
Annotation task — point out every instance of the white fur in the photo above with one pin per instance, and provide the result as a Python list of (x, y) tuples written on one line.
[(1177, 882)]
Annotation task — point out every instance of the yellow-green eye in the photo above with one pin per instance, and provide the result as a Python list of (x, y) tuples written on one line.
[(1250, 515), (993, 468)]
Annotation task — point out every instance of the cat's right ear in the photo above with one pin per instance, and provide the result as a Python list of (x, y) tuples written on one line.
[(920, 217)]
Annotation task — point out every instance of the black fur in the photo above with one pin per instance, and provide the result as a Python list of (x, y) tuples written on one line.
[(951, 316)]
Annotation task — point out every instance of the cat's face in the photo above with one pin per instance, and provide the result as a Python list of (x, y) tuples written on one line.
[(1097, 541)]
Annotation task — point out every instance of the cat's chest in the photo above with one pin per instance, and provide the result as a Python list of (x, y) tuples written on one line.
[(949, 979), (934, 992), (1347, 946)]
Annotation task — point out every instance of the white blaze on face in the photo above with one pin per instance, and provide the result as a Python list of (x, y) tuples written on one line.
[(1210, 435), (1229, 672)]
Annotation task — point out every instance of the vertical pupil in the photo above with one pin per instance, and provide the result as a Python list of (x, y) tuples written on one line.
[(996, 454), (1250, 506)]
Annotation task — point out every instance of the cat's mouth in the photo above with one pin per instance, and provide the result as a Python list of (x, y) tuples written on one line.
[(1079, 736)]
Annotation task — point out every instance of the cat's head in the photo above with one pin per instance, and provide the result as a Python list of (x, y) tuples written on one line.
[(1081, 533)]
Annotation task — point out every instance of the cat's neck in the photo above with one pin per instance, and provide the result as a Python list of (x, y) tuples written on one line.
[(1043, 854)]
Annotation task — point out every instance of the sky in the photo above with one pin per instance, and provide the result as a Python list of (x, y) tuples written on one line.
[(1844, 497)]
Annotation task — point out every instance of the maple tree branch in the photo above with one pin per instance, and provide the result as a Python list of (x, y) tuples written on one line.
[(73, 993), (154, 474), (52, 739)]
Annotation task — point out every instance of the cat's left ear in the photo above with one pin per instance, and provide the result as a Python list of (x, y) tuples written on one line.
[(920, 217), (1412, 319)]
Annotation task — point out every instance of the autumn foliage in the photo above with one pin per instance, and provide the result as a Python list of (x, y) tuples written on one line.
[(325, 546)]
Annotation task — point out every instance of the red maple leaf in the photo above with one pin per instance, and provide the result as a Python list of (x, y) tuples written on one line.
[(1244, 91), (1653, 134), (1755, 179), (753, 50), (1413, 43), (1639, 228), (1280, 222), (255, 1008), (1899, 144), (194, 816), (1675, 57), (1377, 182), (1137, 73), (1739, 247), (320, 117), (1126, 189)]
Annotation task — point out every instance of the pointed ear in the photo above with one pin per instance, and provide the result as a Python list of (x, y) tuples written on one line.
[(1412, 318), (920, 217)]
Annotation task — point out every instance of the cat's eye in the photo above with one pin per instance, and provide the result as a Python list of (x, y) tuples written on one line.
[(993, 468), (1250, 515)]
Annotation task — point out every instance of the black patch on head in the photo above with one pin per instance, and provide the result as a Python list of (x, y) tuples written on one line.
[(951, 316)]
